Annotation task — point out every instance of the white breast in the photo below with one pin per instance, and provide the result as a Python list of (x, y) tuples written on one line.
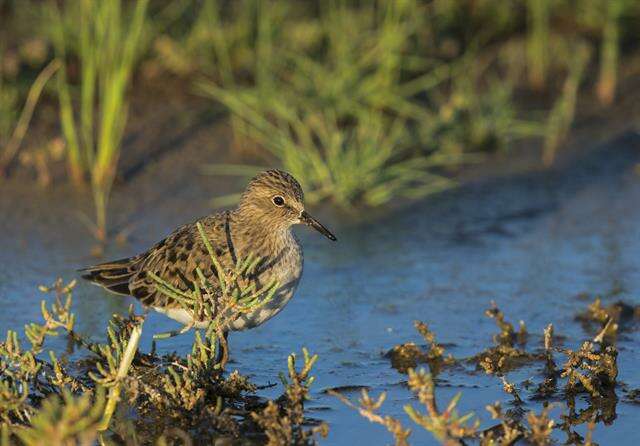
[(182, 316), (288, 276)]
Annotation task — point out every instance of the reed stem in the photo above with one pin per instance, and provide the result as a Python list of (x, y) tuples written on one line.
[(123, 370), (607, 81), (27, 112)]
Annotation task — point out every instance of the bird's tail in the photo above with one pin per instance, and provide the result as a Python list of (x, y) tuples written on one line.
[(113, 276)]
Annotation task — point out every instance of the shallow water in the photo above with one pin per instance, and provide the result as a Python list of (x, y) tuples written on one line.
[(532, 243)]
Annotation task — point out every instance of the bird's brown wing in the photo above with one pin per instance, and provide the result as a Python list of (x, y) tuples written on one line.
[(175, 259), (113, 276)]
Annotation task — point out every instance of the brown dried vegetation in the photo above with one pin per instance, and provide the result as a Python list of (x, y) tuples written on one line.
[(409, 355), (508, 353)]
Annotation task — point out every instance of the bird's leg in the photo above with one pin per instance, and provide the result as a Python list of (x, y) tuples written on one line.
[(173, 333), (223, 355), (123, 369)]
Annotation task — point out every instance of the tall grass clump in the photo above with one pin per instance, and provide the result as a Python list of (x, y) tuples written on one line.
[(93, 114), (9, 97), (365, 101), (538, 35), (25, 70), (216, 37), (562, 114), (609, 51), (14, 126), (340, 114), (372, 101)]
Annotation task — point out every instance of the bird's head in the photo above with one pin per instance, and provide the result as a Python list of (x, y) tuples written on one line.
[(275, 198)]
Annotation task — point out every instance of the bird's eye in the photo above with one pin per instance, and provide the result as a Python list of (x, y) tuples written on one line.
[(278, 200)]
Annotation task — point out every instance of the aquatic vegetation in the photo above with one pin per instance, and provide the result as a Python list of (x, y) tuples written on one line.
[(538, 429), (504, 356), (59, 317), (407, 356), (595, 371), (608, 320), (283, 421), (447, 426), (25, 377), (236, 295), (108, 48), (507, 432), (64, 420), (368, 408), (116, 359), (592, 369), (550, 374), (184, 398)]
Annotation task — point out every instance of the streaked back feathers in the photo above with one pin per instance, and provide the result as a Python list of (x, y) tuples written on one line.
[(258, 226)]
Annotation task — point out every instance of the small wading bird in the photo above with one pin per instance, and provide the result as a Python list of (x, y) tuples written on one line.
[(260, 226)]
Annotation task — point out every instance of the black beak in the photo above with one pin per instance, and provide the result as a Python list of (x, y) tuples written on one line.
[(315, 224)]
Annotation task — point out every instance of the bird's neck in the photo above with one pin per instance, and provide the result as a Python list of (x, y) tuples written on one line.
[(251, 235)]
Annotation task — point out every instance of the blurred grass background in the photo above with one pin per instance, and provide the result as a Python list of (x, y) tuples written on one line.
[(363, 101)]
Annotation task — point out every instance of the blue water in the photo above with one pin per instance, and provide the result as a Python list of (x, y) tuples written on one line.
[(531, 242)]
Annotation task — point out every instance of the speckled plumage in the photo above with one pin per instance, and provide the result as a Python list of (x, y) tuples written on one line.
[(257, 226)]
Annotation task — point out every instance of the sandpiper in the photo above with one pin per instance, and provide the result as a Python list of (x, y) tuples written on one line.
[(260, 226)]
